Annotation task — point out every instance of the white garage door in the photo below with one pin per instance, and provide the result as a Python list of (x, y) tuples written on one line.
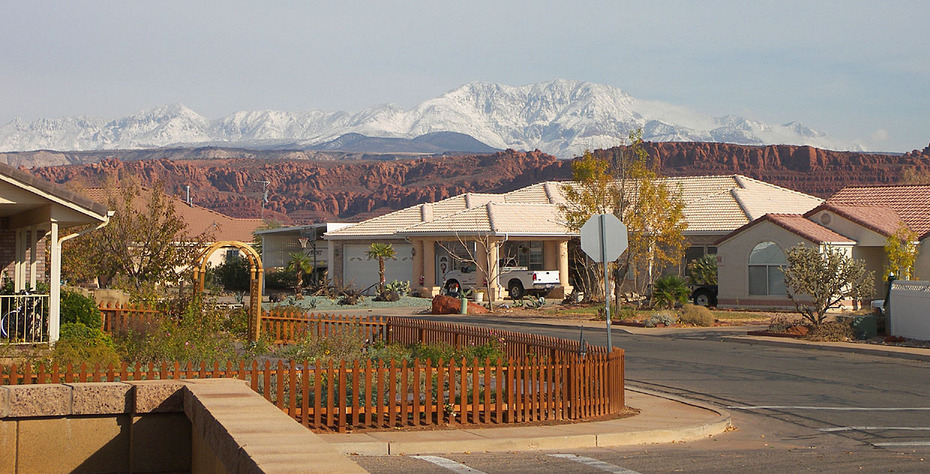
[(362, 273)]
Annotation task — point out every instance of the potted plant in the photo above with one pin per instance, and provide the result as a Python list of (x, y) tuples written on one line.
[(479, 296)]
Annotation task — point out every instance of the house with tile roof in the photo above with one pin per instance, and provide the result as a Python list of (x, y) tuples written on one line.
[(526, 228), (857, 219)]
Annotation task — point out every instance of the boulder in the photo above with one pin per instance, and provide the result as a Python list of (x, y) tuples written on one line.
[(443, 304)]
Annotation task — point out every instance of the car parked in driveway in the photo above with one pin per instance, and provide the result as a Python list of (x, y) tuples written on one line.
[(519, 281)]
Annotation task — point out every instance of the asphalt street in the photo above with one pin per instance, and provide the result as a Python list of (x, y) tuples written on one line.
[(793, 409)]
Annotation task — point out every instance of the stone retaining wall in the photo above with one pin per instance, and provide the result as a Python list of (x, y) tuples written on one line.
[(208, 425)]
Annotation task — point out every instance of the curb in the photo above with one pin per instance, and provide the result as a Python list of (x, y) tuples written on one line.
[(879, 351), (497, 439), (687, 433)]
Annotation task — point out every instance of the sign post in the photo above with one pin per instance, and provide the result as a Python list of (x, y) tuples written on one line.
[(604, 238)]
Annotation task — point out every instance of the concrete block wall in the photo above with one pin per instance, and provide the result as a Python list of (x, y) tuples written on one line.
[(204, 425), (99, 427)]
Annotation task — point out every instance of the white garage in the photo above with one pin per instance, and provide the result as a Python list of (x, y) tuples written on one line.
[(362, 273)]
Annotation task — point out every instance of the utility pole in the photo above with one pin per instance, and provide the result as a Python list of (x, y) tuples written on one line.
[(265, 184)]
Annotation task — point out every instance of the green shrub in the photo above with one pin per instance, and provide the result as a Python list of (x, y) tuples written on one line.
[(696, 315), (624, 312), (191, 330), (346, 343), (80, 309), (703, 271), (664, 317), (832, 331), (401, 287), (668, 291), (81, 344), (281, 280), (233, 275), (436, 353), (780, 323)]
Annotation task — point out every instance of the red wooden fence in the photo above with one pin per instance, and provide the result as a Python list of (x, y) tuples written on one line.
[(543, 378), (353, 395), (118, 316)]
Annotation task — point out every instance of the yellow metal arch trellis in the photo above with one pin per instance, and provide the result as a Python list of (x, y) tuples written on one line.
[(256, 273)]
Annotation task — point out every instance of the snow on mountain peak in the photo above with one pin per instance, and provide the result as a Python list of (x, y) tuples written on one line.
[(561, 117)]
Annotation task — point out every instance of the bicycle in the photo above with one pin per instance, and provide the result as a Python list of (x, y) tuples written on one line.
[(22, 319)]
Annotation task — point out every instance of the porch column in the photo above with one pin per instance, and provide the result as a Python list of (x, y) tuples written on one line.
[(550, 255), (417, 273), (335, 250), (19, 264), (484, 271), (429, 265), (54, 285), (563, 268), (34, 256)]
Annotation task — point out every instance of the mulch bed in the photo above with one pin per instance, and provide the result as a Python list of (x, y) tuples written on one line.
[(774, 334)]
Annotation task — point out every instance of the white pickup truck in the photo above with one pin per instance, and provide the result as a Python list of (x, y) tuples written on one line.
[(518, 280)]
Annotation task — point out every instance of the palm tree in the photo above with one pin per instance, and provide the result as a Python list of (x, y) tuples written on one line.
[(300, 263), (381, 251)]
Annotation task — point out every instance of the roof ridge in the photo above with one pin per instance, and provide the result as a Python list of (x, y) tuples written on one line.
[(742, 205), (770, 185), (489, 207)]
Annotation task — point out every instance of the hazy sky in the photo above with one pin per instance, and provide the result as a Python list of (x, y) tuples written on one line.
[(859, 71)]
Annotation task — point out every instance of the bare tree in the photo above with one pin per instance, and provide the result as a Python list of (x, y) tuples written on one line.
[(484, 254)]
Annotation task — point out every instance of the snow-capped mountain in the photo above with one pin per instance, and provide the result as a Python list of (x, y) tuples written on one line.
[(559, 117)]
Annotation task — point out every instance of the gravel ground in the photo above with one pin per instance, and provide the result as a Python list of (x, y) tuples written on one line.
[(319, 303)]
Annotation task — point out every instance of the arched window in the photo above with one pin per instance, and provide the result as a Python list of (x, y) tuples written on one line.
[(765, 275)]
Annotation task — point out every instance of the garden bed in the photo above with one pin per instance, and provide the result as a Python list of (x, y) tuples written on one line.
[(324, 304)]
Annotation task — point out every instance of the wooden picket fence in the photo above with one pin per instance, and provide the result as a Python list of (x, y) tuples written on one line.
[(540, 379), (118, 316), (355, 395), (288, 325)]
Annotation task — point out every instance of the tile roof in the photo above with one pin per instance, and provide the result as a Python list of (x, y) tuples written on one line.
[(496, 218), (433, 213), (758, 198), (910, 203), (200, 219), (714, 213), (797, 224), (713, 204), (883, 220), (808, 229)]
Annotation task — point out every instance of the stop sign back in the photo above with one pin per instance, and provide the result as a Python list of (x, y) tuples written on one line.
[(603, 237)]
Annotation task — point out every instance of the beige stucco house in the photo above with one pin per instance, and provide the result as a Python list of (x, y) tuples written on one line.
[(32, 209), (528, 226), (525, 224), (858, 220)]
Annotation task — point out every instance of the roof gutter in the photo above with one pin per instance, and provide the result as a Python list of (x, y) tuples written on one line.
[(99, 226)]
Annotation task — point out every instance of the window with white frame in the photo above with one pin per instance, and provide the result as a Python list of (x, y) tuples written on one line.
[(765, 270)]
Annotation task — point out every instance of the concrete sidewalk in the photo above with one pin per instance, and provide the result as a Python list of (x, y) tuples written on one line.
[(662, 419)]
